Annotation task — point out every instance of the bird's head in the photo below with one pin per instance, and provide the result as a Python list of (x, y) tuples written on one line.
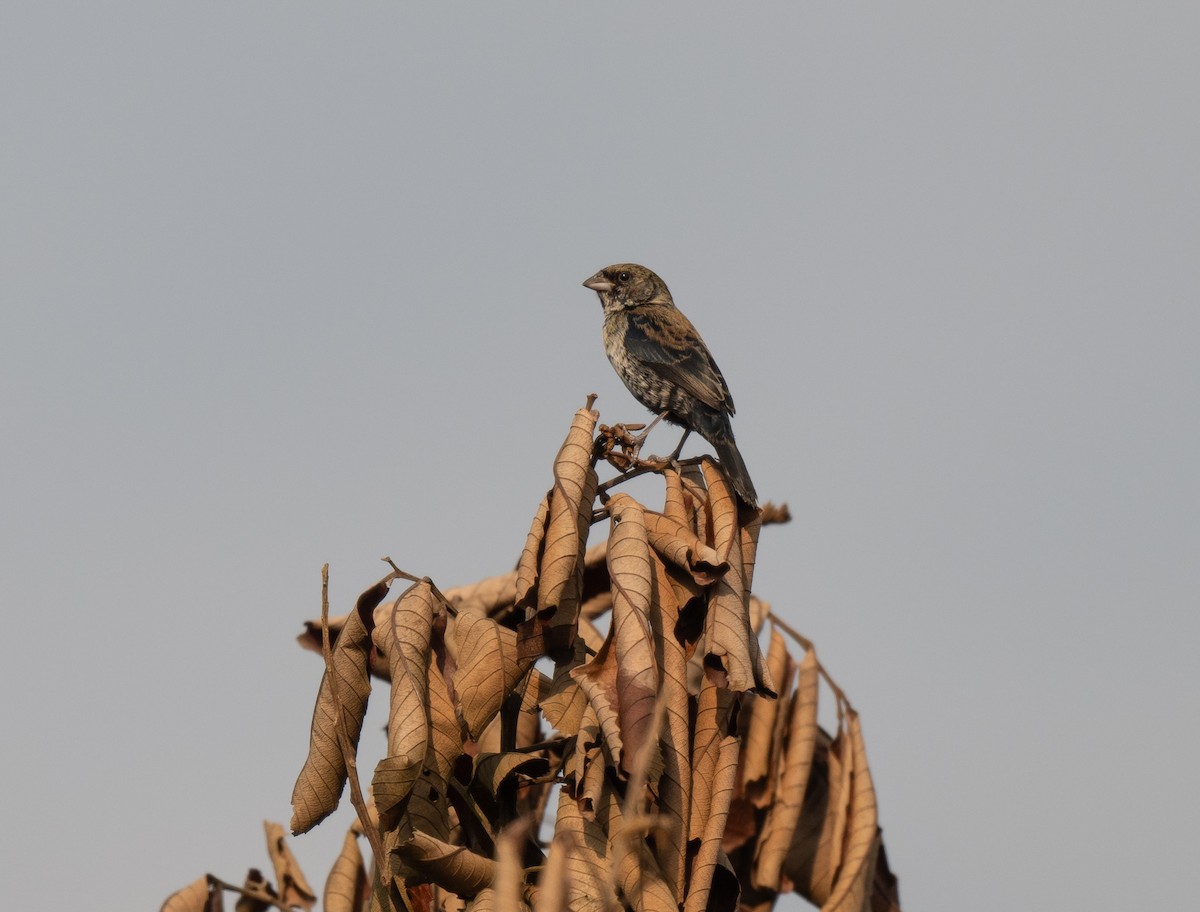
[(624, 286)]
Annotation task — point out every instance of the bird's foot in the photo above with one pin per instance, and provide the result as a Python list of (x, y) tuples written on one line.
[(619, 447)]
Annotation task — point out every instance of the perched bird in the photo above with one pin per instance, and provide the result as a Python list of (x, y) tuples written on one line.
[(662, 360)]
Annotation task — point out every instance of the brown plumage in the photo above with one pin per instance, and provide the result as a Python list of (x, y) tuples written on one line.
[(662, 360)]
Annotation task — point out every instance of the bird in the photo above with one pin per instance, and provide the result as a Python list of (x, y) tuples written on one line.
[(664, 363)]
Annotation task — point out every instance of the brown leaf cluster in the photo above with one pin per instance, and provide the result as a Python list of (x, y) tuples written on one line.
[(691, 772)]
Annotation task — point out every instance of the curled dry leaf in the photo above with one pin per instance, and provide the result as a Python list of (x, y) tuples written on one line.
[(509, 885), (550, 894), (531, 556), (675, 783), (721, 509), (632, 864), (490, 596), (695, 496), (488, 667), (855, 874), (587, 740), (424, 859), (528, 722), (563, 700), (708, 858), (582, 843), (445, 731), (560, 582), (319, 786), (427, 809), (714, 706), (817, 849), (621, 682), (732, 656), (674, 503), (758, 754), (491, 770), (759, 612), (406, 639), (779, 828), (749, 535), (293, 887), (677, 544), (191, 898), (346, 888)]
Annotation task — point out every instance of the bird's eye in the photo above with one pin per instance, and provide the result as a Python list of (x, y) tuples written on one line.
[(623, 277)]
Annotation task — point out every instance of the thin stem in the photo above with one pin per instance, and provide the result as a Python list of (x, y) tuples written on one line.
[(643, 468), (808, 645), (263, 897)]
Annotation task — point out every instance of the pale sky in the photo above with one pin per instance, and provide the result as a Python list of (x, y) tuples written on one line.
[(288, 283)]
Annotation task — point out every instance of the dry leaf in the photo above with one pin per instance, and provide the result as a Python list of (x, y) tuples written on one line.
[(831, 843), (854, 878), (528, 723), (578, 752), (721, 509), (446, 734), (531, 555), (560, 582), (707, 859), (713, 709), (488, 667), (406, 638), (293, 887), (677, 544), (621, 682), (674, 502), (633, 866), (779, 828), (675, 783), (759, 752), (749, 536), (550, 894), (491, 770), (583, 845), (490, 596), (319, 786), (509, 884), (191, 898), (424, 859), (346, 888), (563, 701), (732, 658)]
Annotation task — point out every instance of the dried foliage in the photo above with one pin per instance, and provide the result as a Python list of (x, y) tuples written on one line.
[(623, 688)]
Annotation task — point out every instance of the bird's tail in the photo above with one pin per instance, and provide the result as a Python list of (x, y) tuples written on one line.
[(735, 468)]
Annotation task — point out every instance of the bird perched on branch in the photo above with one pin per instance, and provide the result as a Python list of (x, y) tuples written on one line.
[(662, 360)]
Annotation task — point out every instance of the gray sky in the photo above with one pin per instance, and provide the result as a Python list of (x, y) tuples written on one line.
[(287, 283)]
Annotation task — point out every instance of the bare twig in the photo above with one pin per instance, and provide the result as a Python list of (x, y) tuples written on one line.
[(644, 467), (808, 645), (437, 593), (397, 572), (263, 897)]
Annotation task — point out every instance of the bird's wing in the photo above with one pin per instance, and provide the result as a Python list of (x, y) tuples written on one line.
[(665, 341)]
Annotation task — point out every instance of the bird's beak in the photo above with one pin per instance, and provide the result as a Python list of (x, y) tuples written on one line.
[(598, 283)]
